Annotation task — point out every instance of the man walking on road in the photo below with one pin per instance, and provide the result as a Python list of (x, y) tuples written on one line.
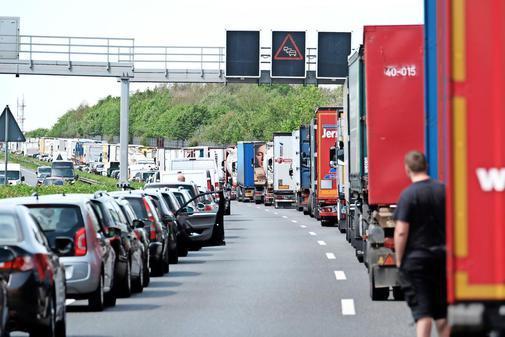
[(420, 247)]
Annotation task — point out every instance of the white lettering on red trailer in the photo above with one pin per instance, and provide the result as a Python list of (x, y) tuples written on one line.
[(331, 134), (492, 179)]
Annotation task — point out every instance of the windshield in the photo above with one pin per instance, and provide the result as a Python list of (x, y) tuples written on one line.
[(9, 230), (44, 170), (57, 220), (62, 172)]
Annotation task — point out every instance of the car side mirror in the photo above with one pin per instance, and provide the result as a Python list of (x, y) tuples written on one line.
[(113, 231), (137, 223), (188, 210), (200, 205), (22, 178), (63, 245)]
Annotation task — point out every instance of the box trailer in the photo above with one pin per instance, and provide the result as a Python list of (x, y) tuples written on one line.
[(468, 142), (284, 181), (245, 171), (302, 198), (260, 177), (386, 120), (324, 196), (295, 138), (268, 166)]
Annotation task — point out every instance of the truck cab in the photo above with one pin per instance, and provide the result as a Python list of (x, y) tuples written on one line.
[(14, 175)]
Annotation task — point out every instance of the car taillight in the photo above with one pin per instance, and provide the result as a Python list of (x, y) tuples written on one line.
[(208, 208), (80, 247), (20, 263), (209, 185), (43, 266), (152, 232), (150, 215), (138, 235), (389, 243)]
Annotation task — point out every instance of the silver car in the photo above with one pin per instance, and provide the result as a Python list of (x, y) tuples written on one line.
[(89, 266)]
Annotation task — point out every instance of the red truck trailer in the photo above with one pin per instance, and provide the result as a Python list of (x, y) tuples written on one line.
[(324, 196), (472, 66), (386, 120)]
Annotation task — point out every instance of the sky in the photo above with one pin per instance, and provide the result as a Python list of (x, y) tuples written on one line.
[(175, 23)]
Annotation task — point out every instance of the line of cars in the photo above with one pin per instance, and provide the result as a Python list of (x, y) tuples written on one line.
[(98, 248)]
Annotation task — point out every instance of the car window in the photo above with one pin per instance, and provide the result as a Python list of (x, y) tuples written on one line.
[(138, 207), (94, 219), (180, 198), (98, 213), (157, 205), (57, 220), (169, 202), (9, 230)]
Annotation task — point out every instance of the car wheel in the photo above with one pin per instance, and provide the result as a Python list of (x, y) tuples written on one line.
[(377, 294), (61, 325), (126, 287), (110, 299), (157, 268), (147, 277), (174, 255), (138, 282), (166, 261), (48, 329), (182, 248), (96, 300)]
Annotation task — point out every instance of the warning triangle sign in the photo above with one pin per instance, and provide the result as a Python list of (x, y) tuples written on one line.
[(288, 50), (15, 134)]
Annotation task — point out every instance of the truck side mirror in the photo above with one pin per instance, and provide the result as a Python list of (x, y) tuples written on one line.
[(291, 172)]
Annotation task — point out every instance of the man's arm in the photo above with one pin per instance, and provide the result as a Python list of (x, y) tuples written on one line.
[(401, 235)]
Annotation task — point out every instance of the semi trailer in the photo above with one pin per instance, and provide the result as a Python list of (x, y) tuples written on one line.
[(386, 120), (245, 171), (305, 163), (284, 181)]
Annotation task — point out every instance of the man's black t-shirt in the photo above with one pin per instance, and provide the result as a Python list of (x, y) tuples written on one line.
[(422, 205)]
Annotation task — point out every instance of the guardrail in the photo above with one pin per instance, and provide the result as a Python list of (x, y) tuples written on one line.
[(88, 181)]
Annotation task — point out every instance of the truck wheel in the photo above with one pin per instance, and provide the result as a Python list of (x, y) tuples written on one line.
[(300, 208), (341, 226), (398, 294), (377, 294), (359, 256)]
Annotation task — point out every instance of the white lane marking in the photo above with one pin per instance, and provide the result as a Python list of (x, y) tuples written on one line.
[(267, 210), (276, 213), (294, 221), (257, 207), (321, 243), (348, 307), (312, 233), (284, 216), (340, 275), (69, 301), (303, 226), (330, 256)]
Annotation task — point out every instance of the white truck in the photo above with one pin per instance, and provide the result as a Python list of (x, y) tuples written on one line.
[(268, 166), (14, 176), (200, 178), (284, 170), (191, 164)]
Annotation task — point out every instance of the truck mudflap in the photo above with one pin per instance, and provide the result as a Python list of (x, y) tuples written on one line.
[(248, 194), (476, 318), (259, 195), (381, 262), (284, 199)]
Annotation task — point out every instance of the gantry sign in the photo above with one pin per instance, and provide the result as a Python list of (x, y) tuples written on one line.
[(287, 60)]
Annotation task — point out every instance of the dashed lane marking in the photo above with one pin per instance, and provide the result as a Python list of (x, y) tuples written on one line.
[(294, 221), (312, 233), (321, 243), (348, 307), (284, 216), (276, 213), (69, 301), (303, 226), (330, 256), (340, 275)]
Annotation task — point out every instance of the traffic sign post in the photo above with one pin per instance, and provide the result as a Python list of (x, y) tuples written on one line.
[(288, 60), (10, 133)]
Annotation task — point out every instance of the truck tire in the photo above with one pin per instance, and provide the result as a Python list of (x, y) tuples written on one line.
[(398, 294), (377, 294)]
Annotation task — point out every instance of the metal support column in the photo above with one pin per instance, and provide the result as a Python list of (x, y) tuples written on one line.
[(123, 130)]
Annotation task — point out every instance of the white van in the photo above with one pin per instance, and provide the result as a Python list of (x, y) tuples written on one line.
[(14, 175), (201, 178), (196, 164)]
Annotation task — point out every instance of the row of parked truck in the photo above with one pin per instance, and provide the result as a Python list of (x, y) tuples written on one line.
[(345, 168)]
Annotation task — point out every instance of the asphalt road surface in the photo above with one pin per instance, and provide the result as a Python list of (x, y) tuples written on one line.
[(280, 274), (30, 176)]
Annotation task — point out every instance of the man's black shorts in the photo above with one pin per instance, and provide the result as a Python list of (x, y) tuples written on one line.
[(423, 280)]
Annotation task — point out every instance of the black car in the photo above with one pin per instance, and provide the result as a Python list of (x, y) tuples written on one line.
[(169, 221), (36, 279), (158, 235), (129, 260), (138, 229)]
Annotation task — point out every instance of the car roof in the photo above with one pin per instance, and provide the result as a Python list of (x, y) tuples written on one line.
[(129, 193), (57, 199)]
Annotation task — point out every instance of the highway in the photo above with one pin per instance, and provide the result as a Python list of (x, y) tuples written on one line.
[(280, 274), (30, 176)]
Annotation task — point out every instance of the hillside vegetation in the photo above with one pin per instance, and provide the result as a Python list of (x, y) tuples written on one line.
[(201, 113)]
